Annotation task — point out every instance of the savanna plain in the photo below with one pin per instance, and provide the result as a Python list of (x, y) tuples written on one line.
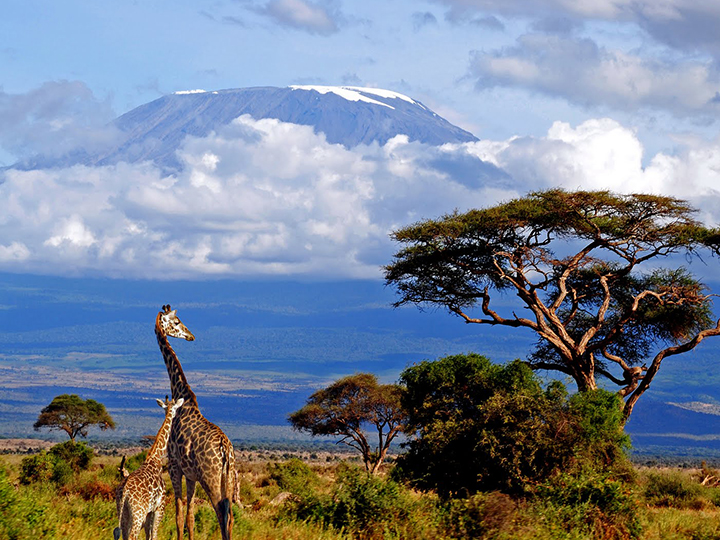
[(324, 494)]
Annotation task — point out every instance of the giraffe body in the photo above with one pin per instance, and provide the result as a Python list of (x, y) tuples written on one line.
[(140, 498), (198, 450)]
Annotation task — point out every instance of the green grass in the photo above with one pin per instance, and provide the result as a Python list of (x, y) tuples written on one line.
[(669, 504)]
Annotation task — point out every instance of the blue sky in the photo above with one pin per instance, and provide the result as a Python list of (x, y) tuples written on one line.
[(615, 94)]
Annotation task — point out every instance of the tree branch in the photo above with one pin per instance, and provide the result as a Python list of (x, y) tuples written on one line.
[(659, 357)]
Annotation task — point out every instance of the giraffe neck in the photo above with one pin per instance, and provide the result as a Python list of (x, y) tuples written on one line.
[(178, 383), (159, 448)]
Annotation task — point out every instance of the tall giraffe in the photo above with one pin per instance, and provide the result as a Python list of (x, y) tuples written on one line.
[(140, 498), (197, 449)]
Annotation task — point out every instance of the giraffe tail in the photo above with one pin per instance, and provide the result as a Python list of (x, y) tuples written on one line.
[(225, 504), (116, 533)]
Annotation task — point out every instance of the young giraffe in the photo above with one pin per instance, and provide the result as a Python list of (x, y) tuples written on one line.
[(140, 498), (197, 449)]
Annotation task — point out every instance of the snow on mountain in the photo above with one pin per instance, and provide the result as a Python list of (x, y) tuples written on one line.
[(346, 115), (356, 93)]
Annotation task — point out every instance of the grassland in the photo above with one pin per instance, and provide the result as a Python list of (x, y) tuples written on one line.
[(323, 496)]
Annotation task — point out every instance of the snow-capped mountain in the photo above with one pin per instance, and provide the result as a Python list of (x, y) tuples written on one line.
[(346, 115)]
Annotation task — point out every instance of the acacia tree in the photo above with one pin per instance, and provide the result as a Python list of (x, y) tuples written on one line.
[(74, 415), (345, 407), (584, 265)]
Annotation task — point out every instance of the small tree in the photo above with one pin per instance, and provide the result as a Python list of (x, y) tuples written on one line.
[(73, 415), (585, 265), (345, 407)]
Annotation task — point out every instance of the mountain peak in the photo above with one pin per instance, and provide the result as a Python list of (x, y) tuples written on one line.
[(346, 115)]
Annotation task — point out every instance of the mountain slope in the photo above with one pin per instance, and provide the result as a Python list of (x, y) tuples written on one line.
[(346, 115)]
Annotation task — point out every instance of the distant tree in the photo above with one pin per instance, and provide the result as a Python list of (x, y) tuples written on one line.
[(73, 415), (477, 426), (587, 267), (346, 407)]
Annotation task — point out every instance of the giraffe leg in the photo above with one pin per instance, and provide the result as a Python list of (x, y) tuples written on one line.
[(190, 486), (176, 479), (157, 518), (137, 526), (148, 525)]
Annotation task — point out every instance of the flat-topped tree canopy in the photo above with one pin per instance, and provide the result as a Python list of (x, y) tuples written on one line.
[(576, 262)]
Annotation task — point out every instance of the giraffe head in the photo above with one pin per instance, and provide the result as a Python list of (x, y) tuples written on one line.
[(170, 406), (172, 326)]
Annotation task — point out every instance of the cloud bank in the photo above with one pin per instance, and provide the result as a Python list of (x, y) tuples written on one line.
[(262, 197), (582, 72), (316, 18)]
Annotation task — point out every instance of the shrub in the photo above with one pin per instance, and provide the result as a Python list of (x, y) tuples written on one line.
[(294, 476), (36, 468), (58, 465), (364, 504), (673, 488), (96, 489), (478, 426), (76, 454), (594, 502), (62, 472), (482, 515), (135, 461)]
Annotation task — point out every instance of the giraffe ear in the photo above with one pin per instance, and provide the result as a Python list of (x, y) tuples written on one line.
[(179, 403), (160, 402)]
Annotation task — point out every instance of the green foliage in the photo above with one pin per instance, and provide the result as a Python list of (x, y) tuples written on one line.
[(361, 503), (135, 461), (592, 501), (574, 260), (294, 476), (76, 454), (674, 489), (37, 468), (73, 415), (477, 426), (58, 465), (483, 515)]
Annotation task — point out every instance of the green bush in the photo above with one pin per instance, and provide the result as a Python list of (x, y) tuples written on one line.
[(478, 426), (483, 515), (135, 461), (592, 502), (364, 504), (36, 468), (294, 475), (674, 489), (58, 465), (24, 512), (76, 454)]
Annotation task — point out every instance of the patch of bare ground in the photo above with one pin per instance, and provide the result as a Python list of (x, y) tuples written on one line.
[(24, 445)]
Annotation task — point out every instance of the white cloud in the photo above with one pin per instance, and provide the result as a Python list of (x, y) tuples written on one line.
[(54, 119), (286, 202), (682, 24), (316, 18), (585, 73), (603, 154), (283, 201)]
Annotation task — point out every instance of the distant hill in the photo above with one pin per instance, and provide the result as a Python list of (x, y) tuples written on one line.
[(346, 115)]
